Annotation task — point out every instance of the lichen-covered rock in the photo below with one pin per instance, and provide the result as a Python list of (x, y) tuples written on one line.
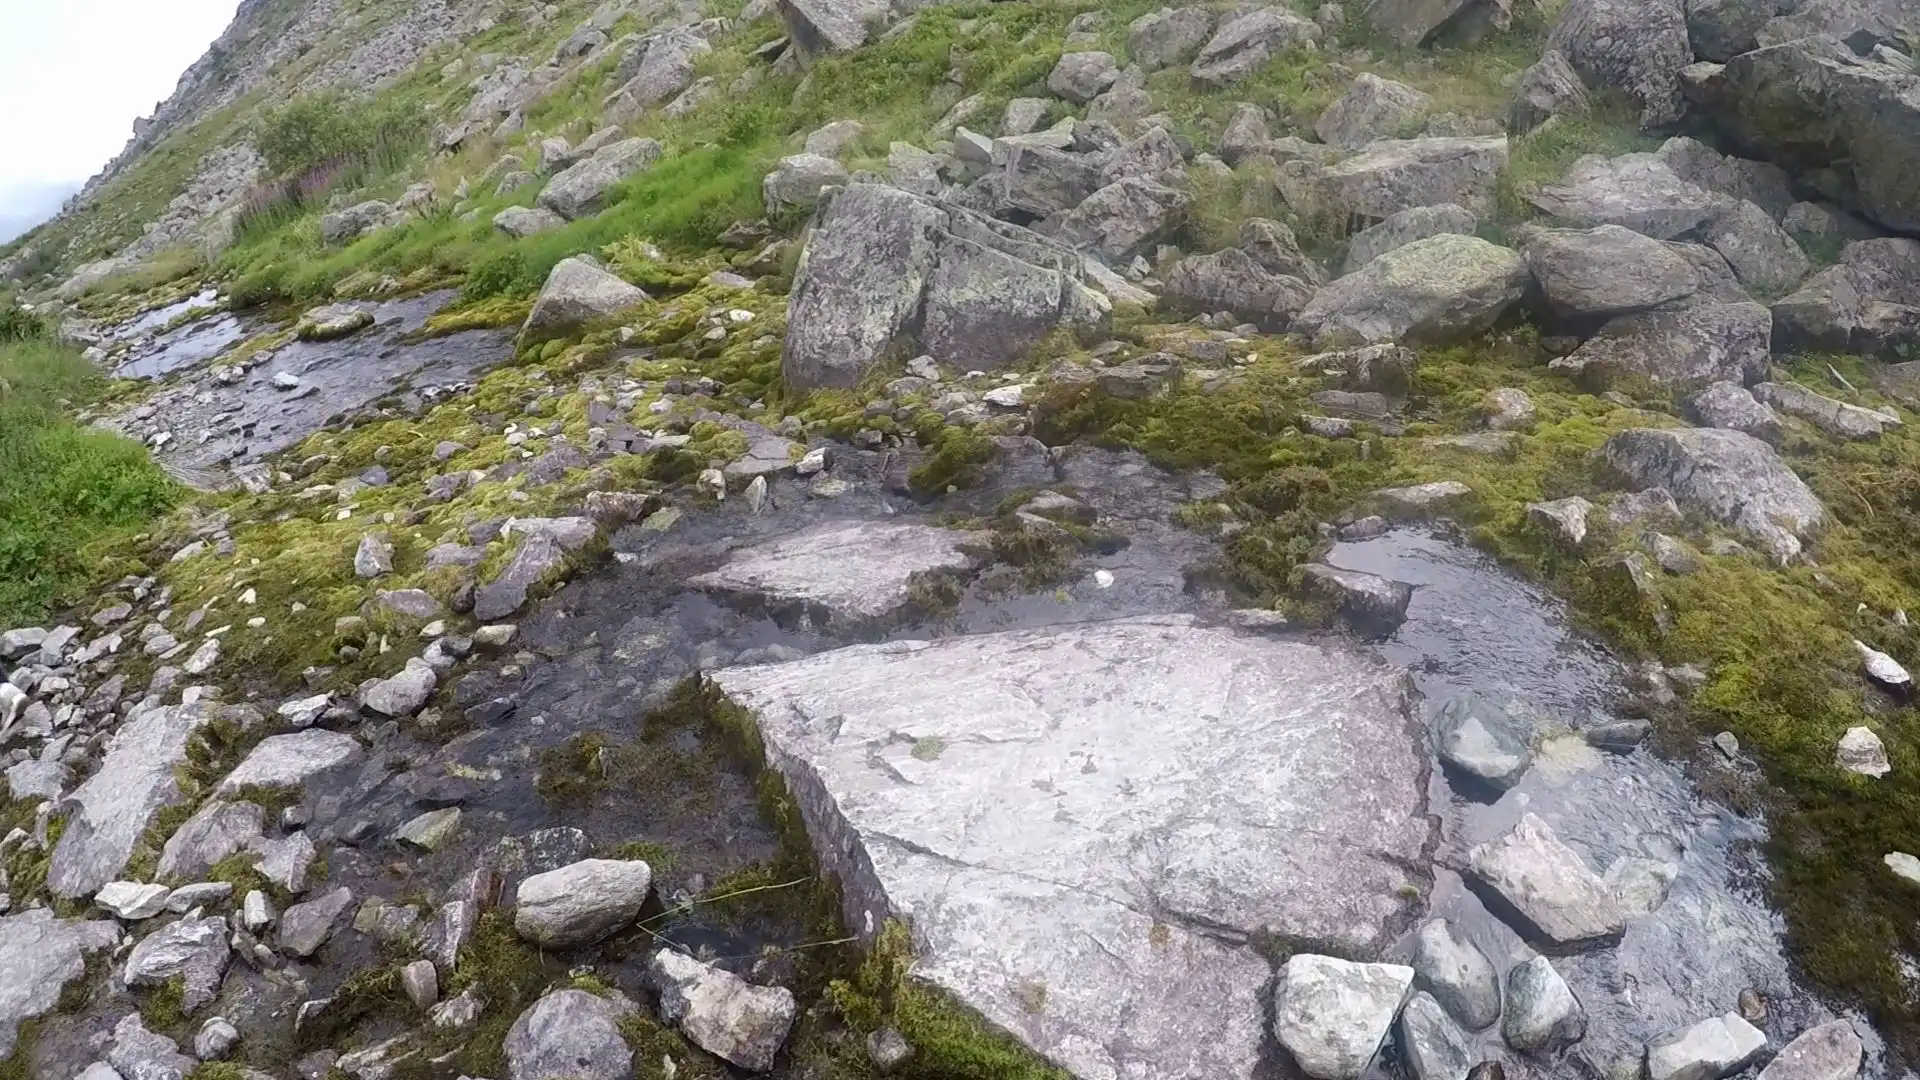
[(1168, 37), (1246, 43), (1869, 303), (1548, 89), (720, 1012), (1372, 108), (1732, 478), (1762, 183), (1606, 270), (1124, 218), (107, 815), (1638, 46), (856, 572), (1435, 291), (1391, 175), (1825, 413), (1403, 228), (1762, 255), (331, 321), (1082, 76), (40, 954), (1332, 1015), (1548, 884), (1432, 22), (1563, 519), (581, 190), (799, 180), (1232, 281), (571, 1035), (521, 222), (1733, 407), (822, 27), (193, 951), (1689, 346), (1635, 191), (355, 221), (665, 67), (288, 762), (577, 291)]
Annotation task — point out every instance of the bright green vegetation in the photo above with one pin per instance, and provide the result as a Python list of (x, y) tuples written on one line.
[(66, 492)]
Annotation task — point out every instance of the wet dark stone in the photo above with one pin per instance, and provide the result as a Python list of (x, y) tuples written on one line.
[(1619, 737), (492, 713)]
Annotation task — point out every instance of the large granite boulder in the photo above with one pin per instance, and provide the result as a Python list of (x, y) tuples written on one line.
[(1404, 228), (1332, 1015), (1169, 36), (576, 292), (1436, 291), (1372, 108), (1437, 22), (884, 267), (1606, 270), (1029, 794), (1730, 477), (39, 955), (581, 190), (1690, 346), (822, 27), (107, 815), (1638, 46), (853, 572), (1868, 303), (1391, 175), (1635, 191), (1811, 104), (1246, 43), (1233, 281)]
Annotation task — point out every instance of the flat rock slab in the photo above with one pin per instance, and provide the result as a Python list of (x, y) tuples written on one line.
[(289, 761), (856, 570), (39, 956), (109, 813), (1097, 816)]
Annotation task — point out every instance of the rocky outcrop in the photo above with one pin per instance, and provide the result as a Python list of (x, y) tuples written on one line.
[(108, 814), (853, 572), (1435, 291), (581, 190), (1275, 778), (885, 267), (1730, 477)]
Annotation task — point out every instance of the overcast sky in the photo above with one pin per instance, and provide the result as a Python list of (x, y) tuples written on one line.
[(74, 74)]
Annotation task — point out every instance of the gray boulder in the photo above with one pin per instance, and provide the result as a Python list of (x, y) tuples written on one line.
[(1732, 478), (1232, 281), (924, 727), (1869, 303), (799, 180), (1435, 291), (1457, 974), (1247, 42), (1763, 256), (1124, 218), (40, 955), (538, 556), (1391, 175), (1812, 104), (1548, 89), (1606, 270), (287, 762), (1733, 407), (107, 815), (666, 67), (331, 321), (1412, 23), (1547, 885), (402, 695), (139, 1054), (855, 572), (306, 927), (1277, 250), (1403, 228), (1042, 180), (884, 268), (1635, 191), (1762, 183), (1480, 740), (215, 831), (1638, 46), (354, 222), (1541, 1012), (581, 190), (194, 951), (520, 222), (1332, 1015), (1831, 416), (1830, 1051), (1720, 30), (1168, 37), (581, 903), (374, 558), (720, 1012), (834, 139), (1371, 604), (1433, 1046), (1082, 76), (571, 1035), (1715, 1047), (1690, 346), (1372, 108), (578, 291)]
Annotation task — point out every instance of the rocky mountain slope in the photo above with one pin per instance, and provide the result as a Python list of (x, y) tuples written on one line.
[(832, 538)]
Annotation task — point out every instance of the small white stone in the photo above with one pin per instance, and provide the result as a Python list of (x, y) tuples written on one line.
[(1861, 751), (1882, 668), (1903, 865), (1103, 578), (132, 900)]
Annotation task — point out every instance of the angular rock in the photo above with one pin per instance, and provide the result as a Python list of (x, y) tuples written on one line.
[(1606, 270), (1834, 417), (1548, 89), (1508, 408), (1763, 256), (1371, 604), (402, 695), (1124, 218), (1232, 281), (1277, 250), (1391, 175), (577, 291), (289, 761), (40, 954), (217, 830), (1541, 1012), (571, 1035), (581, 903), (132, 900), (1482, 741), (1733, 407), (720, 1012), (285, 862), (1715, 1047), (1547, 884), (799, 180), (922, 727), (1720, 30), (1732, 478), (193, 951), (1332, 1015), (665, 68), (1431, 1043), (306, 927), (353, 222), (1638, 46), (821, 27), (1082, 76), (139, 1054), (1246, 43), (1689, 346), (107, 815), (537, 556), (1565, 519), (1436, 291), (521, 222), (1635, 191), (1831, 1051), (1403, 228), (581, 190), (1372, 108), (1457, 974), (852, 571), (1168, 37), (1759, 182), (832, 140), (1869, 303), (430, 831), (331, 321)]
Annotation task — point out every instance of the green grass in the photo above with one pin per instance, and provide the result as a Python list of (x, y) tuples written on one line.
[(65, 491)]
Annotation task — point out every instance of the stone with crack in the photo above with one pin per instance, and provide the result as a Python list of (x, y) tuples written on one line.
[(855, 572), (1547, 884), (720, 1012)]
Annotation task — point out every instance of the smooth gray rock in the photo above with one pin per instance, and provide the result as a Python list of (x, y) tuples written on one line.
[(581, 903), (571, 1035), (1168, 37), (289, 761), (107, 815), (798, 181), (331, 321), (306, 927), (1565, 519), (1637, 46), (1391, 175), (1688, 346), (1732, 478), (1082, 76), (1541, 1012), (405, 693), (1715, 1047), (1482, 741), (1436, 291), (1403, 228), (1548, 89), (720, 1012), (1185, 811), (39, 955), (1830, 1051), (1606, 270), (1246, 43), (856, 571), (1457, 974), (1371, 604), (1432, 1045), (1547, 884), (1861, 751), (1233, 281), (1831, 416), (193, 951), (521, 222), (581, 190), (1332, 1015), (1733, 407), (576, 292), (1372, 108), (1635, 191)]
